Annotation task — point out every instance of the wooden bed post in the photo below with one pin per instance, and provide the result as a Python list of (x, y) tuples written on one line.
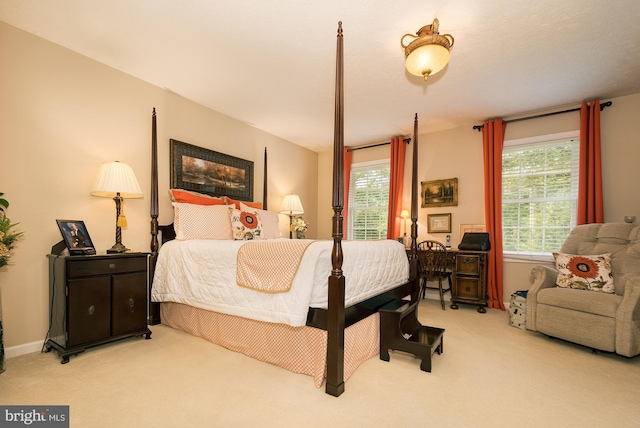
[(336, 311), (264, 181), (413, 256), (154, 308)]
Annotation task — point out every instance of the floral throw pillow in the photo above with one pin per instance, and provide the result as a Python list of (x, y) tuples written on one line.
[(584, 272), (245, 224)]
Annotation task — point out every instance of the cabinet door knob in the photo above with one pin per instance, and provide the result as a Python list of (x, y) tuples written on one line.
[(112, 265), (91, 310), (131, 302)]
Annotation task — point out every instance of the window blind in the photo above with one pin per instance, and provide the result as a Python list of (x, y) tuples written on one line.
[(369, 201), (539, 193)]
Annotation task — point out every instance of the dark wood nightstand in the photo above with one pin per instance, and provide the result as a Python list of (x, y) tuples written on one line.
[(96, 299), (470, 279)]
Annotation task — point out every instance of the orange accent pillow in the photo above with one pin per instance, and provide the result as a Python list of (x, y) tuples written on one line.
[(187, 197), (257, 205)]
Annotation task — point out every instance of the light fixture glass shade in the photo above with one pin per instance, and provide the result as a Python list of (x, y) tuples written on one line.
[(291, 205), (428, 52), (116, 177), (427, 60), (404, 213)]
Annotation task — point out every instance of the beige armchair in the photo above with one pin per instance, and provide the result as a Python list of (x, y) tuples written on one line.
[(607, 322)]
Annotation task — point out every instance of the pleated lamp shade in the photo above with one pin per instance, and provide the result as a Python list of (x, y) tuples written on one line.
[(116, 177), (291, 205)]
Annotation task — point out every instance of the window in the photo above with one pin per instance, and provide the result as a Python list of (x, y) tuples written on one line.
[(539, 193), (368, 200)]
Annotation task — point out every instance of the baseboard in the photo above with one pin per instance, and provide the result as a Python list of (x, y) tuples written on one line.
[(26, 348), (435, 295)]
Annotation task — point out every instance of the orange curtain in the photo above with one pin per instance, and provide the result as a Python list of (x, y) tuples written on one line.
[(348, 155), (590, 206), (492, 142), (398, 150)]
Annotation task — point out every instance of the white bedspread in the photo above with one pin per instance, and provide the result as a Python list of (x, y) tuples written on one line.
[(202, 273)]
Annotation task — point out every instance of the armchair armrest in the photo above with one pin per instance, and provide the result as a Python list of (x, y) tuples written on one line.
[(628, 318), (541, 277)]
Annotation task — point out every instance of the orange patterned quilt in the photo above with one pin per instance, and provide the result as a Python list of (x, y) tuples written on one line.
[(269, 266)]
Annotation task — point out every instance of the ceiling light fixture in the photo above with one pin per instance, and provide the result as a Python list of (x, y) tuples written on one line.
[(428, 52)]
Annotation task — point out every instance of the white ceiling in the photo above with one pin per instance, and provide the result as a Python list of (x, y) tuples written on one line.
[(271, 64)]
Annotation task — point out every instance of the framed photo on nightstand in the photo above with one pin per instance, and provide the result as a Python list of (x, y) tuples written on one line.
[(76, 237)]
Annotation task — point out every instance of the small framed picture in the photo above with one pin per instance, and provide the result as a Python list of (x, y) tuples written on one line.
[(464, 228), (76, 237), (439, 223)]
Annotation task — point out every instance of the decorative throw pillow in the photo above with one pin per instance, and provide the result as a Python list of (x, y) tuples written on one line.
[(192, 221), (269, 220), (245, 224), (188, 197), (236, 203), (584, 272)]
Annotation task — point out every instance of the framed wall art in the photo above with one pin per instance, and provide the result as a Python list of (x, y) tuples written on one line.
[(439, 193), (439, 223), (213, 173), (464, 228)]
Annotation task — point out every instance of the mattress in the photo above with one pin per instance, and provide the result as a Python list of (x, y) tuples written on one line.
[(202, 273)]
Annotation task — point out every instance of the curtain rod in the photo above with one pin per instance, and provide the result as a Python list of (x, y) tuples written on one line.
[(349, 149), (602, 106)]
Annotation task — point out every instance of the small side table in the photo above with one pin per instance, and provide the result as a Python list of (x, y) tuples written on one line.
[(96, 299)]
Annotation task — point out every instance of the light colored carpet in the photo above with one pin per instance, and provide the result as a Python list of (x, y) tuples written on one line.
[(490, 375)]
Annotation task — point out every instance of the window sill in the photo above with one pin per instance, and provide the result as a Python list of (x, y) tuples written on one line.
[(532, 258)]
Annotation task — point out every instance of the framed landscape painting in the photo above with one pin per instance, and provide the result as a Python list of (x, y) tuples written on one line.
[(439, 193), (213, 173)]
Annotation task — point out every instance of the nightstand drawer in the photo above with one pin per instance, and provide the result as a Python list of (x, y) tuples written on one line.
[(468, 288), (106, 265), (468, 265)]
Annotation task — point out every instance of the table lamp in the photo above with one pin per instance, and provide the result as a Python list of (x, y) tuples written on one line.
[(291, 206), (404, 214), (116, 180)]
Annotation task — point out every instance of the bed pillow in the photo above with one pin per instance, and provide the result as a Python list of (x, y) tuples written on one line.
[(193, 221), (185, 196), (245, 224), (236, 203), (584, 272), (270, 221)]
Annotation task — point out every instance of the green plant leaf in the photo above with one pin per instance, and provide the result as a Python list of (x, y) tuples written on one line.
[(4, 204)]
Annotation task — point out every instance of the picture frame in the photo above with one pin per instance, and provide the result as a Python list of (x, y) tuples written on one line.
[(439, 223), (439, 193), (464, 228), (76, 237), (213, 173)]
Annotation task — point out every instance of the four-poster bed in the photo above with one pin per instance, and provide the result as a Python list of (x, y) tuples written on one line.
[(341, 329)]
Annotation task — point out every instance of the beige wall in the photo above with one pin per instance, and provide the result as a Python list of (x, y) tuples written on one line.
[(61, 116), (458, 153)]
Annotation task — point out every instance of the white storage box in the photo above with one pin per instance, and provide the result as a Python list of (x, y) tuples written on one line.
[(518, 310)]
